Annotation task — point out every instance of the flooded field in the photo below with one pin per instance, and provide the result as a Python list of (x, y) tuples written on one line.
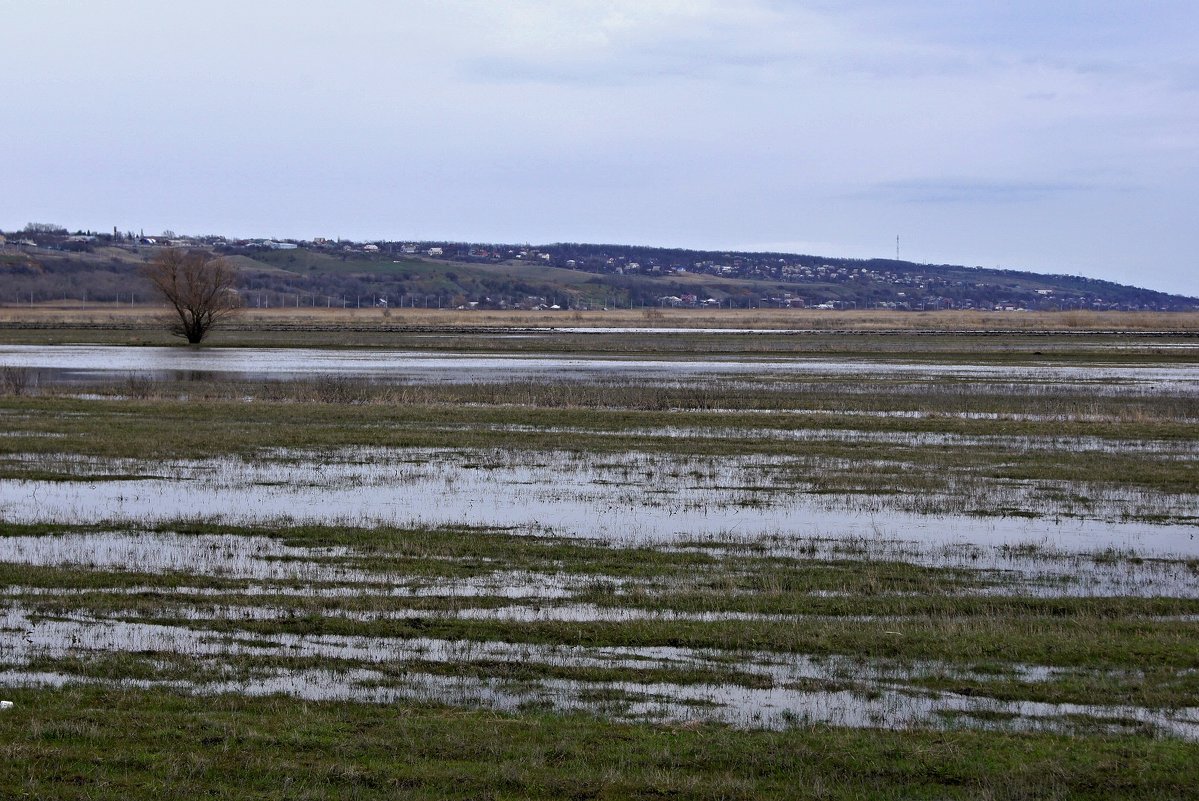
[(91, 363), (765, 544), (742, 688), (638, 498), (356, 616)]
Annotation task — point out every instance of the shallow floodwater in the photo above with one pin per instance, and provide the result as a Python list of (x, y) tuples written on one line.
[(384, 670), (91, 363), (1064, 540), (638, 498), (273, 568)]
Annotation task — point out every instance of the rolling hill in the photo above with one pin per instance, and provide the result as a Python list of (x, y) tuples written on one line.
[(45, 266)]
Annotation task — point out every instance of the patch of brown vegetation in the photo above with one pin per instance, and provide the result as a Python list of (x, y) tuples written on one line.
[(77, 314)]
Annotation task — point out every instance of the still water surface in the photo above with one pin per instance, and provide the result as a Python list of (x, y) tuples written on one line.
[(91, 363)]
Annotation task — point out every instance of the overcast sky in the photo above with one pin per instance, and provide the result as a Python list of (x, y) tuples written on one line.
[(1052, 135)]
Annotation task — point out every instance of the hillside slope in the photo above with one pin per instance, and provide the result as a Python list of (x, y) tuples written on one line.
[(55, 266)]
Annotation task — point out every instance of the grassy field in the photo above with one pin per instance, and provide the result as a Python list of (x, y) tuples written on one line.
[(830, 585), (116, 744)]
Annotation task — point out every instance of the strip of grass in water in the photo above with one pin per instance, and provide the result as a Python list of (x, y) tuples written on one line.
[(1070, 642), (118, 744), (16, 575), (857, 603), (684, 580), (114, 593), (1152, 688), (531, 671), (199, 428), (397, 553), (879, 395), (156, 430), (906, 612), (160, 666)]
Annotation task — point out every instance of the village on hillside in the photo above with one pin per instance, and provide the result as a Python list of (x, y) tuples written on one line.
[(331, 271)]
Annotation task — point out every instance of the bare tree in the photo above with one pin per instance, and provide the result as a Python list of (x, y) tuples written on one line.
[(198, 286)]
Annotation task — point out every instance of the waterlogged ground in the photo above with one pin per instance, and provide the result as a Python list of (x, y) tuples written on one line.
[(769, 633), (633, 497), (771, 546)]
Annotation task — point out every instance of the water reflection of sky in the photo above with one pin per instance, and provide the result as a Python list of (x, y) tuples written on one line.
[(656, 498), (876, 695), (77, 363)]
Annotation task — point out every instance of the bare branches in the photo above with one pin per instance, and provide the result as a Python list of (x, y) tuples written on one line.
[(199, 287)]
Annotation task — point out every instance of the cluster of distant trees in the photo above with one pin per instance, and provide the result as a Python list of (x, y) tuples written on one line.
[(44, 228)]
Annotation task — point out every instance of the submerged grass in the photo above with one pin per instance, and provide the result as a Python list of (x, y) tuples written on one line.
[(1079, 641), (878, 578), (731, 600), (828, 461)]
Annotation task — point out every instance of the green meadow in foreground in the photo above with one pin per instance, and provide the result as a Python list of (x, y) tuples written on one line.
[(127, 743)]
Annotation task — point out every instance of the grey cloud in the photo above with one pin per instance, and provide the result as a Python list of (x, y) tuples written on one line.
[(972, 191)]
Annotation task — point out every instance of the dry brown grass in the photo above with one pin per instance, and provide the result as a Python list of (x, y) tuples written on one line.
[(83, 315)]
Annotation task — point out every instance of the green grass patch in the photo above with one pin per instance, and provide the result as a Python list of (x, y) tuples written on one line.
[(119, 744)]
